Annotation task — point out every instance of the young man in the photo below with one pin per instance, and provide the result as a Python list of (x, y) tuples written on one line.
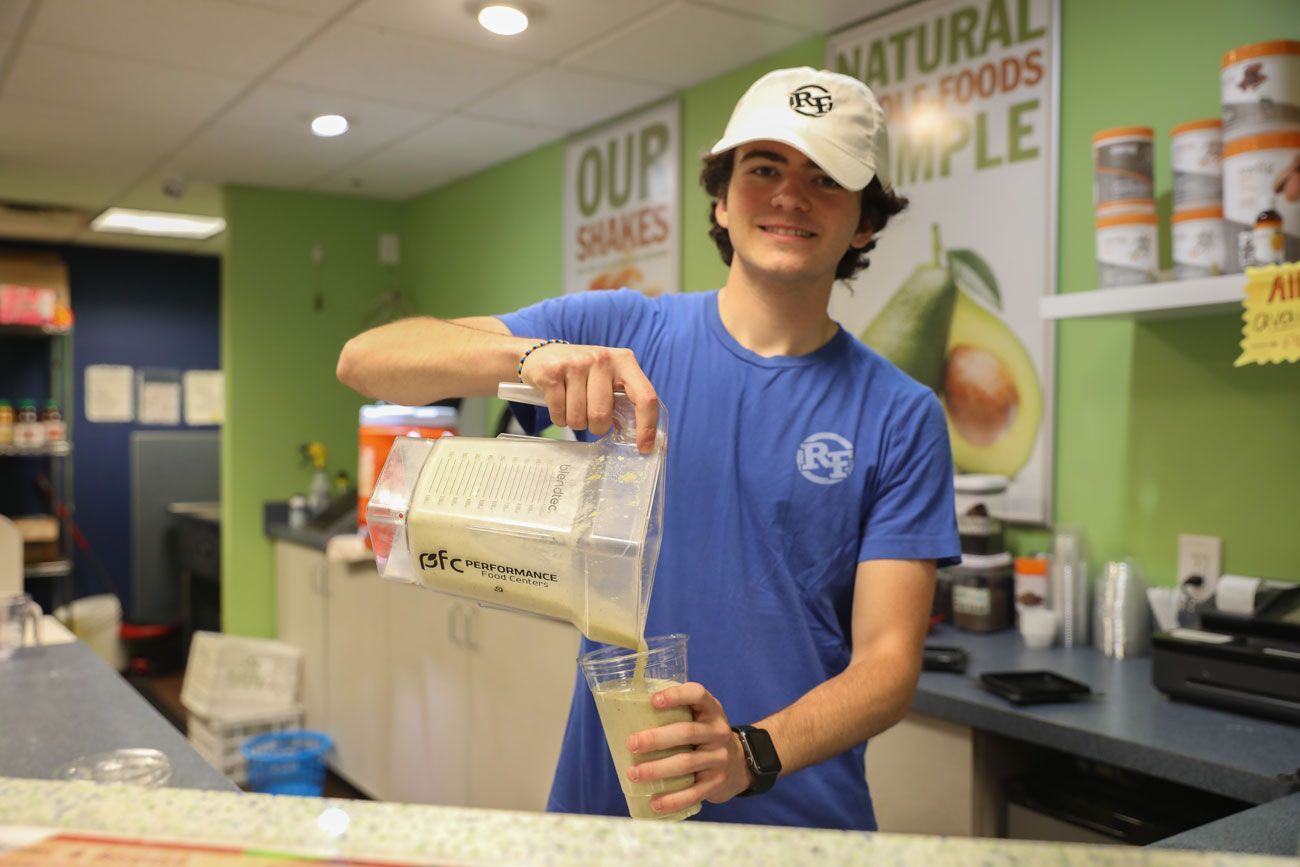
[(809, 489)]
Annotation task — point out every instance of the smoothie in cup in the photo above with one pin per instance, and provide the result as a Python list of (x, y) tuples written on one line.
[(622, 683)]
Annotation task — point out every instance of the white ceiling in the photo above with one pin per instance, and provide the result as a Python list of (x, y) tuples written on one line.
[(103, 101)]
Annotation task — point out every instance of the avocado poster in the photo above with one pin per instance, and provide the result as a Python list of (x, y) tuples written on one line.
[(622, 210), (952, 294)]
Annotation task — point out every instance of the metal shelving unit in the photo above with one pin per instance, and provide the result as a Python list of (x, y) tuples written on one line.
[(58, 455)]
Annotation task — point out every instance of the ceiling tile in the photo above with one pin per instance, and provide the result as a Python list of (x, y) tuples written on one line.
[(557, 26), (290, 110), (398, 68), (565, 100), (820, 17), (453, 148), (312, 8), (230, 152), (44, 132), (64, 76), (82, 185), (705, 42), (206, 35), (11, 16)]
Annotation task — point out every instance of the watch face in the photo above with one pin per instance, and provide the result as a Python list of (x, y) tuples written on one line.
[(760, 746)]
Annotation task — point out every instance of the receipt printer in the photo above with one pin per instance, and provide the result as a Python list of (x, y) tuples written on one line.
[(1248, 663)]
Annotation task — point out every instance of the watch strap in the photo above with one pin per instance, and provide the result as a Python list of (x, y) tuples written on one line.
[(760, 758)]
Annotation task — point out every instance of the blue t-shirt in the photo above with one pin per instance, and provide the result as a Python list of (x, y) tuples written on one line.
[(783, 474)]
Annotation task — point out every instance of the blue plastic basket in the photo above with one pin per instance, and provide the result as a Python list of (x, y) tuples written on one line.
[(287, 763)]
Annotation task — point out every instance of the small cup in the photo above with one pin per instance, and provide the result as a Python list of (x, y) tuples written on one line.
[(17, 611), (622, 696), (1038, 627)]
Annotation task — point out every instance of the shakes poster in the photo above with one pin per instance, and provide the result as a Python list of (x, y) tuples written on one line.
[(622, 210), (952, 295)]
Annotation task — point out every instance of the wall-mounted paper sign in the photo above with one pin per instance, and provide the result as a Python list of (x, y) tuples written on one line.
[(205, 397), (622, 205), (159, 396), (110, 396)]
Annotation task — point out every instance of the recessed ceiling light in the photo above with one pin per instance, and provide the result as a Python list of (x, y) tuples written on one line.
[(328, 125), (128, 222), (503, 20)]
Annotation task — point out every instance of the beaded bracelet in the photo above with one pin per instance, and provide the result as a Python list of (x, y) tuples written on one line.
[(536, 346)]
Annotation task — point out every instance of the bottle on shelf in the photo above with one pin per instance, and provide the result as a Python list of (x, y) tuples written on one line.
[(29, 433), (6, 423), (56, 430)]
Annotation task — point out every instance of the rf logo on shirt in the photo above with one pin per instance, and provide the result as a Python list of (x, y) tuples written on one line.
[(825, 458)]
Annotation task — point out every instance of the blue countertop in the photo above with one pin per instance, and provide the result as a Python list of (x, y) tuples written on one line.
[(1131, 724), (61, 702), (1128, 722), (1269, 829)]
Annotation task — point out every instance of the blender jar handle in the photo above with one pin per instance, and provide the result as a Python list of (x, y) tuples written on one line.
[(624, 429)]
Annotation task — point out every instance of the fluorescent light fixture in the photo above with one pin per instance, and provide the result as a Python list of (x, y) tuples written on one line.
[(128, 222), (503, 20), (329, 125)]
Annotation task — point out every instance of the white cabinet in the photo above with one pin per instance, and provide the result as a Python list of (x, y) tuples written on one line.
[(521, 678), (300, 620), (931, 776), (429, 699), (359, 683), (428, 757)]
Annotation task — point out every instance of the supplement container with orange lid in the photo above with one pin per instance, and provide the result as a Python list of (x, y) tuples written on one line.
[(1259, 87), (1262, 173), (1033, 583), (380, 424), (1126, 250), (1199, 241), (1126, 206), (1196, 150), (1122, 162)]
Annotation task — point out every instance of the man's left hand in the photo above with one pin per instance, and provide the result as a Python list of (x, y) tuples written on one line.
[(717, 761)]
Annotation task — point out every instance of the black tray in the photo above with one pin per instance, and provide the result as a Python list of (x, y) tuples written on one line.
[(1033, 687)]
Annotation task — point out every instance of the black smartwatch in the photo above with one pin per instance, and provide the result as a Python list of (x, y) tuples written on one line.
[(760, 758)]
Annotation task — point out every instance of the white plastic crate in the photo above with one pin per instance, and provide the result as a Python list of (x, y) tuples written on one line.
[(220, 741), (230, 676)]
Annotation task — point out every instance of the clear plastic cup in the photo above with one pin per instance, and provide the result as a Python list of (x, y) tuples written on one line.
[(622, 693)]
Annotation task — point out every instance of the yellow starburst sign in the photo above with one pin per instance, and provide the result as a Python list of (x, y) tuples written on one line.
[(1271, 315)]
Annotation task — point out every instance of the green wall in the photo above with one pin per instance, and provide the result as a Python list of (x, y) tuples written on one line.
[(1156, 432), (278, 351)]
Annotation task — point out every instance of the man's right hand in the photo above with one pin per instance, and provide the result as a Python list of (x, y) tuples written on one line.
[(579, 384)]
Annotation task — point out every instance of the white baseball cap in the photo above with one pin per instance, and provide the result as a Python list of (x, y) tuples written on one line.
[(833, 119)]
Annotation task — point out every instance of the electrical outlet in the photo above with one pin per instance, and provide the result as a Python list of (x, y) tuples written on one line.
[(1199, 556)]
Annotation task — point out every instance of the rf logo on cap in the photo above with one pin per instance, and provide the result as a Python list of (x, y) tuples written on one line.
[(811, 100)]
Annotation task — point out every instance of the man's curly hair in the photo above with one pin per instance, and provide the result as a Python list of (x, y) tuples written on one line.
[(878, 205)]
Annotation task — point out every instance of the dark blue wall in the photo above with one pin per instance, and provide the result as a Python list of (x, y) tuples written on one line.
[(144, 310)]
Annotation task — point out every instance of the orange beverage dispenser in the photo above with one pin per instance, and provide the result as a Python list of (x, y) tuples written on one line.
[(381, 423)]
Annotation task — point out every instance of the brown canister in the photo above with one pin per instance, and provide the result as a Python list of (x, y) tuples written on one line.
[(983, 593)]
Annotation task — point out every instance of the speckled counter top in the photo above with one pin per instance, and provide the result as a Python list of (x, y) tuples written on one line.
[(61, 702), (1129, 723), (443, 835)]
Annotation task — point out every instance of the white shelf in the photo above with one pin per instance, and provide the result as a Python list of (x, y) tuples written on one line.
[(1151, 301), (58, 449), (51, 569)]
